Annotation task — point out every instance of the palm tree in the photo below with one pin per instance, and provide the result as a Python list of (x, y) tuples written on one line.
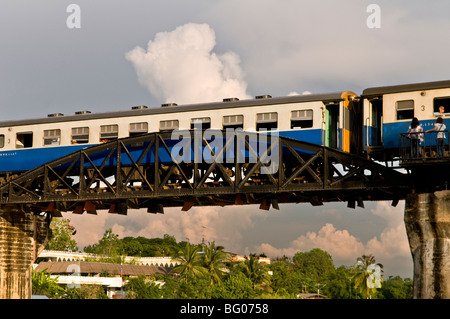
[(190, 263), (44, 284), (254, 270), (214, 261), (368, 274)]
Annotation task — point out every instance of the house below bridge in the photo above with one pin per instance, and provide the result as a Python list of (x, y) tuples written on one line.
[(55, 255), (109, 276)]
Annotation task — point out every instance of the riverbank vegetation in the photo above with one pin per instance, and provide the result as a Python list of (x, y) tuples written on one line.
[(205, 271)]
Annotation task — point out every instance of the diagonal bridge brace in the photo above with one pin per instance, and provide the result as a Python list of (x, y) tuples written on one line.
[(305, 170)]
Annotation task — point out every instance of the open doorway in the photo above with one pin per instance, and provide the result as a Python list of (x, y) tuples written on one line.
[(332, 126), (375, 133)]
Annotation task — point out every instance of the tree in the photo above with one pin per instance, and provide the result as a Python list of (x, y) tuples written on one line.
[(141, 288), (315, 264), (286, 277), (254, 270), (43, 284), (109, 246), (214, 261), (396, 288), (368, 275), (339, 285), (62, 233), (85, 292), (190, 263), (236, 286), (132, 247)]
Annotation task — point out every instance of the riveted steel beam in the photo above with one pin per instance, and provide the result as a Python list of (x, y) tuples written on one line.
[(146, 171)]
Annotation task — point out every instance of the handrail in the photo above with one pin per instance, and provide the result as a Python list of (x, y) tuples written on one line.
[(424, 146)]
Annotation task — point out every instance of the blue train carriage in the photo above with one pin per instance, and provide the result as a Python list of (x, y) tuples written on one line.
[(389, 110), (324, 119)]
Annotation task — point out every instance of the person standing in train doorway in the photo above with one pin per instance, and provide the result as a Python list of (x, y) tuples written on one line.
[(415, 133), (440, 128)]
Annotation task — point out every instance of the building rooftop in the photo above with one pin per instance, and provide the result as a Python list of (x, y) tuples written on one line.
[(67, 267)]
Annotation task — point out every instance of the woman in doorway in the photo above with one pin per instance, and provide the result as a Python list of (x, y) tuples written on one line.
[(415, 132), (440, 128)]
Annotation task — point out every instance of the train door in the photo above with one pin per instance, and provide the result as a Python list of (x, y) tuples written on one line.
[(376, 124), (332, 125)]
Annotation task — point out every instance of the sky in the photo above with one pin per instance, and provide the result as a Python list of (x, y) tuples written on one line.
[(111, 55)]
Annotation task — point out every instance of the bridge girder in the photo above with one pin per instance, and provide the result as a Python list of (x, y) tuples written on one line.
[(143, 172)]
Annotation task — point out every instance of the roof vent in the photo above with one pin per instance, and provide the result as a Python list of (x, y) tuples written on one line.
[(266, 96), (168, 104), (82, 112), (55, 115), (231, 99), (139, 107)]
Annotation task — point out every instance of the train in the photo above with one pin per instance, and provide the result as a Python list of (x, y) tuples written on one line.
[(368, 124)]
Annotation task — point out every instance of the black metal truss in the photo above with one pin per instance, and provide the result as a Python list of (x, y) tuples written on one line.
[(118, 175)]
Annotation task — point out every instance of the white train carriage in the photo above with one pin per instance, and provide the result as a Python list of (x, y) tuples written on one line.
[(324, 119), (389, 110)]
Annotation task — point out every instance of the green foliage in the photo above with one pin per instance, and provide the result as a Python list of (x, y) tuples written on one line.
[(396, 288), (365, 277), (236, 286), (316, 264), (339, 285), (141, 288), (286, 277), (150, 247), (109, 247), (136, 246), (85, 292), (62, 233), (214, 260), (190, 263), (202, 273), (254, 270), (43, 284)]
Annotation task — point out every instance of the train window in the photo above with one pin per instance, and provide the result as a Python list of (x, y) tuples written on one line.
[(168, 125), (266, 121), (203, 123), (233, 121), (405, 109), (52, 137), (138, 128), (301, 119), (2, 141), (80, 135), (441, 106), (24, 140), (109, 132)]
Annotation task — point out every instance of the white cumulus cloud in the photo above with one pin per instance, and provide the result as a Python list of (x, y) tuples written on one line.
[(181, 67), (390, 247), (340, 244)]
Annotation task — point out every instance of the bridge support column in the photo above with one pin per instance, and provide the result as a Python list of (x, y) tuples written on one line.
[(427, 221), (22, 237)]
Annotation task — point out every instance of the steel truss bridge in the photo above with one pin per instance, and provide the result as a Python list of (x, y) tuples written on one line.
[(141, 172)]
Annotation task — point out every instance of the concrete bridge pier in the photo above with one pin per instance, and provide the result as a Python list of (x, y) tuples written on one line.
[(427, 221), (23, 236)]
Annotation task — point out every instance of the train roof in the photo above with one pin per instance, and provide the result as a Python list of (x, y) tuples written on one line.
[(377, 91), (137, 111)]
